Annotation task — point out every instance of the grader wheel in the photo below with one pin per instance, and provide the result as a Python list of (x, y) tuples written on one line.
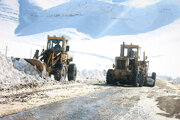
[(72, 72), (60, 73), (141, 75), (136, 79), (154, 78), (109, 77)]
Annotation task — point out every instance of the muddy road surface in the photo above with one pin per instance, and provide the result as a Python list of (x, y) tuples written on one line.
[(110, 103)]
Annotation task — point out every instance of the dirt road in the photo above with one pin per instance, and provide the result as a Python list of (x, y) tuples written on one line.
[(99, 101)]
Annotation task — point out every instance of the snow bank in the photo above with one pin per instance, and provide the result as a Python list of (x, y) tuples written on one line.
[(22, 65), (170, 79), (92, 74), (11, 76)]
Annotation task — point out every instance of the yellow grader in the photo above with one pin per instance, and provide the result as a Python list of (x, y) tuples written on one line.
[(129, 69), (55, 60)]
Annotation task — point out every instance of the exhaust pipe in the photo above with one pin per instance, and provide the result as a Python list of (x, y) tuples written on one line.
[(123, 48)]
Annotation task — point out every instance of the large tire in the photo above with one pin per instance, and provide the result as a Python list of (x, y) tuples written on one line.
[(136, 79), (60, 74), (141, 75), (154, 78), (72, 72), (57, 75), (109, 77)]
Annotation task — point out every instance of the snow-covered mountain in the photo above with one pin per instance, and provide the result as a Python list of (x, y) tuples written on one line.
[(96, 28), (96, 18)]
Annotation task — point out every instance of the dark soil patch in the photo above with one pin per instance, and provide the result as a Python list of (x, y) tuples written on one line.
[(171, 105)]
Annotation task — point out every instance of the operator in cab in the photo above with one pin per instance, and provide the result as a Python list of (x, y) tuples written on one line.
[(57, 46)]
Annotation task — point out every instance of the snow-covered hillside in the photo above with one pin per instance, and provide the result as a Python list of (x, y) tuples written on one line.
[(96, 28), (9, 12), (97, 18)]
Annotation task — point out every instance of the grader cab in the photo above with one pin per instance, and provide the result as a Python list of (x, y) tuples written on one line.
[(129, 69), (55, 60)]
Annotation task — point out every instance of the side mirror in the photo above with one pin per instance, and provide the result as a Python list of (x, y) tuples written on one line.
[(67, 48)]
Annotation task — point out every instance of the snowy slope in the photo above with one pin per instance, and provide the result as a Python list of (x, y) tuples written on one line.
[(9, 11), (96, 28), (46, 4), (97, 18)]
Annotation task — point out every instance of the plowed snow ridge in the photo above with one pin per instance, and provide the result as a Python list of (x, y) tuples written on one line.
[(9, 75)]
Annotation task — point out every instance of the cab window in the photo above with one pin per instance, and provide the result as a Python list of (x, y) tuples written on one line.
[(54, 44)]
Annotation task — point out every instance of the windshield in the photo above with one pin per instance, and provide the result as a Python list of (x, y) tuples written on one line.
[(54, 44), (133, 52), (130, 52)]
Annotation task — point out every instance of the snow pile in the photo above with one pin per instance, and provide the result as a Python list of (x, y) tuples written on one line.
[(170, 79), (22, 65), (9, 75), (176, 80), (92, 74)]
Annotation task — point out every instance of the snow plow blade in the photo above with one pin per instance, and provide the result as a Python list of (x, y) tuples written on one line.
[(42, 67)]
